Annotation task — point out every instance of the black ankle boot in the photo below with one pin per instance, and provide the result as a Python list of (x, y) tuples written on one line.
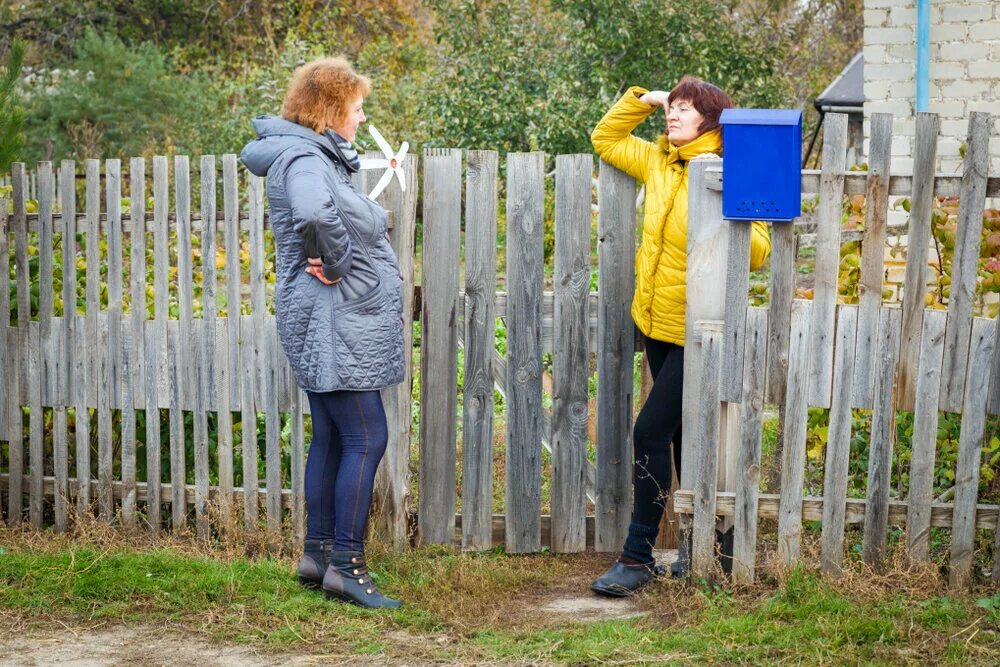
[(312, 565), (623, 579), (347, 579)]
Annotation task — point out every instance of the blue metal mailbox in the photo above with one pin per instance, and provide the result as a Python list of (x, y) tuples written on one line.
[(761, 154)]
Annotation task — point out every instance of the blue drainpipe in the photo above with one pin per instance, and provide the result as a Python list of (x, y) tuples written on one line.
[(923, 51)]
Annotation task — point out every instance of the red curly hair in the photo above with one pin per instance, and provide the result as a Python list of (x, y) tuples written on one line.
[(321, 90), (707, 98)]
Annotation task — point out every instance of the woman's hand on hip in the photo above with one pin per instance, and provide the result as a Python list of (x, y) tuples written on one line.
[(656, 98), (316, 271)]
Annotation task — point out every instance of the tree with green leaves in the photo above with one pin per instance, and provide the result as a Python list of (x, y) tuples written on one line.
[(11, 113)]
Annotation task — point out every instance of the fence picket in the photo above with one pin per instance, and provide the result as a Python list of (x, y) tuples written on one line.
[(38, 368), (248, 421), (570, 357), (156, 340), (965, 263), (205, 353), (748, 463), (782, 289), (970, 449), (117, 366), (65, 380), (737, 286), (438, 367), (480, 286), (134, 382), (927, 375), (18, 379), (882, 437), (872, 257), (616, 347), (838, 447), (6, 349), (707, 453), (917, 248), (827, 270), (793, 448)]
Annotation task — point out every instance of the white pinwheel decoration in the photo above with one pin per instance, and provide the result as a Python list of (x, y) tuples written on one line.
[(392, 163)]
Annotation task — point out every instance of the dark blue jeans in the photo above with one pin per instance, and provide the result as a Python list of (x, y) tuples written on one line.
[(349, 440)]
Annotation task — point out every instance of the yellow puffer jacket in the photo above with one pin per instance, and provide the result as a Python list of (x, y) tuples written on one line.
[(660, 264)]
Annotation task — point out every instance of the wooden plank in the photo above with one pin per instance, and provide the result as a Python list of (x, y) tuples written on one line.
[(268, 358), (706, 438), (793, 449), (206, 369), (883, 434), (65, 380), (231, 210), (830, 211), (438, 363), (248, 421), (993, 407), (923, 443), (782, 290), (156, 339), (838, 447), (298, 468), (117, 363), (748, 463), (6, 366), (970, 450), (18, 351), (917, 248), (179, 336), (769, 505), (737, 287), (134, 375), (480, 285), (965, 263), (570, 360), (37, 361), (392, 483), (224, 423), (255, 199), (47, 361), (615, 351), (872, 257)]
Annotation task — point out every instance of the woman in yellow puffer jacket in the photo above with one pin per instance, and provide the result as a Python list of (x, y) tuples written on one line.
[(692, 111)]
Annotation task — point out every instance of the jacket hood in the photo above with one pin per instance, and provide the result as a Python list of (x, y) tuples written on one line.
[(709, 142), (276, 135)]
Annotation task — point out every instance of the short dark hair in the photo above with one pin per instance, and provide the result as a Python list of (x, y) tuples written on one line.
[(707, 98)]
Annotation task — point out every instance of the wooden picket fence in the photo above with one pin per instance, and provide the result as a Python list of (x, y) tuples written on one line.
[(815, 353), (216, 359)]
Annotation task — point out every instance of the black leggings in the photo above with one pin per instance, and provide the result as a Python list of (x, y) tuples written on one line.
[(658, 423)]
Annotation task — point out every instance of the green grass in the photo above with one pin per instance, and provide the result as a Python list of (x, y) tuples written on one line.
[(488, 607)]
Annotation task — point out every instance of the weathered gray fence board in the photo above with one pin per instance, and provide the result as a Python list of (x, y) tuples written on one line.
[(135, 380), (970, 449), (525, 229), (927, 375), (392, 483), (707, 453), (737, 285), (882, 436), (178, 451), (748, 463), (438, 361), (872, 257), (205, 371), (6, 399), (782, 290), (270, 356), (156, 339), (615, 332), (793, 450), (18, 355), (248, 419), (119, 370), (838, 446), (224, 452), (231, 209), (965, 263), (297, 472), (917, 248), (570, 367), (37, 340), (480, 285), (830, 211)]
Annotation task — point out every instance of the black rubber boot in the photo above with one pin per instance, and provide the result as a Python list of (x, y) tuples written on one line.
[(622, 580), (347, 579), (312, 565)]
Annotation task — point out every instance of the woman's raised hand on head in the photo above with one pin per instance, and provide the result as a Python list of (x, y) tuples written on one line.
[(656, 98)]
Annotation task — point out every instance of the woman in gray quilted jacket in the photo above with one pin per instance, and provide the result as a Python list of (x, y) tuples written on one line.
[(338, 308)]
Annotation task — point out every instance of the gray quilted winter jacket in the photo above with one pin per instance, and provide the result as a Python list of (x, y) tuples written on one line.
[(348, 335)]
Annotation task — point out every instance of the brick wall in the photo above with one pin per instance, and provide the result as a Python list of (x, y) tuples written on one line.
[(964, 72)]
